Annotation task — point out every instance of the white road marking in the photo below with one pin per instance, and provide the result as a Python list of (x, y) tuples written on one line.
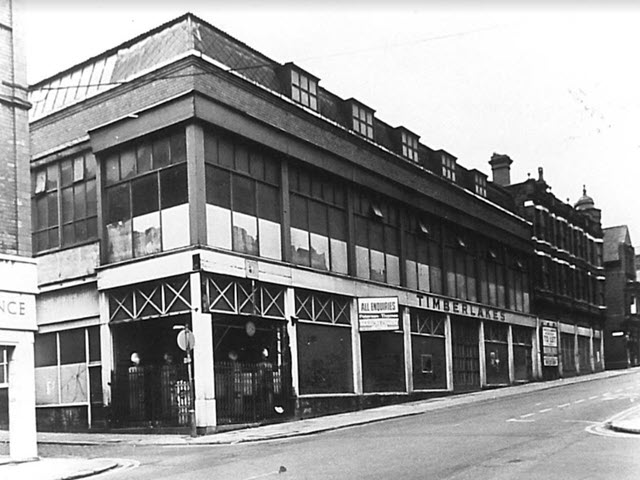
[(520, 420), (527, 415), (564, 405), (545, 410), (579, 401), (595, 396)]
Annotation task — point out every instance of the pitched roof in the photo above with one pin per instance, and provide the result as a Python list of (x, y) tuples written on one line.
[(613, 237)]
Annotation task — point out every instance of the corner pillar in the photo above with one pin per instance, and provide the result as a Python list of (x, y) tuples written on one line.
[(203, 369)]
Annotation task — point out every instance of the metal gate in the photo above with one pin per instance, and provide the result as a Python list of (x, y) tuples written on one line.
[(466, 354), (251, 392), (151, 396)]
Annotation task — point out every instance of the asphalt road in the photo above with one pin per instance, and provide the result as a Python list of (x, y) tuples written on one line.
[(550, 434)]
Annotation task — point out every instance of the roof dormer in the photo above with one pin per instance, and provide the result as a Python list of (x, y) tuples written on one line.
[(300, 85), (407, 143), (360, 118)]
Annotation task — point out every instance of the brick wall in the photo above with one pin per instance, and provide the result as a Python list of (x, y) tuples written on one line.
[(15, 207)]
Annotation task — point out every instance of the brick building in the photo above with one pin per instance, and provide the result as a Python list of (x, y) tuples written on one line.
[(622, 294), (17, 269), (324, 260), (568, 274)]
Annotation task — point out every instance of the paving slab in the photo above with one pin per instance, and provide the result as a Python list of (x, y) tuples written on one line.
[(54, 468)]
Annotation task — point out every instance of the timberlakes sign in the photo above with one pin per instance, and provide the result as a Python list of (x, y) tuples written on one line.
[(459, 307)]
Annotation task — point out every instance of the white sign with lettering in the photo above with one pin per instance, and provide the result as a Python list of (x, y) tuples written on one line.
[(17, 311), (378, 313)]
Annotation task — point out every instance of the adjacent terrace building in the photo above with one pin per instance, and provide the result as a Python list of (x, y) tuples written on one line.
[(622, 293), (18, 284), (324, 260), (568, 276)]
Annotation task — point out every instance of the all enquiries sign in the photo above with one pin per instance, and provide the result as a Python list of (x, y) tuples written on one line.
[(549, 333), (378, 313)]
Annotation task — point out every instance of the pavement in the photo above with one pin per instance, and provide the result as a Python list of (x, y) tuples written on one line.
[(74, 468)]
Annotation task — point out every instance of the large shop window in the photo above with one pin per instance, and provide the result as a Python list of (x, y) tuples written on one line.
[(64, 203), (423, 267), (522, 348), (518, 285), (382, 361), (243, 198), (324, 343), (318, 221), (496, 353), (491, 275), (146, 198), (428, 350), (377, 242), (68, 367), (460, 265)]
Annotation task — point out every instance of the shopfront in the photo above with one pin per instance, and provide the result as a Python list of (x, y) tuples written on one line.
[(252, 360), (150, 385)]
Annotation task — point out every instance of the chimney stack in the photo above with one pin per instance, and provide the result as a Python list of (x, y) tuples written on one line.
[(501, 169)]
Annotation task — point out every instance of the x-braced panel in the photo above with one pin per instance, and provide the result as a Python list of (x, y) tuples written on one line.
[(243, 297), (317, 307), (149, 300)]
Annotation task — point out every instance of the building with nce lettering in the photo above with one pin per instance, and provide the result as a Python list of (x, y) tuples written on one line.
[(568, 277), (18, 283), (185, 179)]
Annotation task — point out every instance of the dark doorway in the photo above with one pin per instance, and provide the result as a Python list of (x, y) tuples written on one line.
[(466, 354), (252, 373), (150, 385)]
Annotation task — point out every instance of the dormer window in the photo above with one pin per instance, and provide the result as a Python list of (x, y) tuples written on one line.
[(362, 120), (301, 86), (304, 90), (409, 145), (448, 167), (480, 184)]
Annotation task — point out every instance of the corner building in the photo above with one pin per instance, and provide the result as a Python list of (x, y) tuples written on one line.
[(183, 178)]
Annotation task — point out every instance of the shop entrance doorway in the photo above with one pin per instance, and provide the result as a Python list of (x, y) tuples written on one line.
[(150, 385), (466, 354), (252, 369)]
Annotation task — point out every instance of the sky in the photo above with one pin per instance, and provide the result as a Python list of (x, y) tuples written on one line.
[(551, 84)]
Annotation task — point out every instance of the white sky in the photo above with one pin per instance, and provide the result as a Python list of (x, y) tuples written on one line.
[(552, 87)]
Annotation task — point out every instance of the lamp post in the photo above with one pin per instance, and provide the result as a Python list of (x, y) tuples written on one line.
[(186, 341)]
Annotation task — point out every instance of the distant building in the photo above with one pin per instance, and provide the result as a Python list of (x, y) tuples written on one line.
[(622, 332), (568, 280), (17, 269), (183, 178)]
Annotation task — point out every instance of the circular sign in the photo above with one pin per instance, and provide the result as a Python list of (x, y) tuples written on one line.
[(186, 340), (250, 328)]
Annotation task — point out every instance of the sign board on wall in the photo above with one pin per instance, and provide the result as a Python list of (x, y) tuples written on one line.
[(549, 333), (17, 311), (378, 313)]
